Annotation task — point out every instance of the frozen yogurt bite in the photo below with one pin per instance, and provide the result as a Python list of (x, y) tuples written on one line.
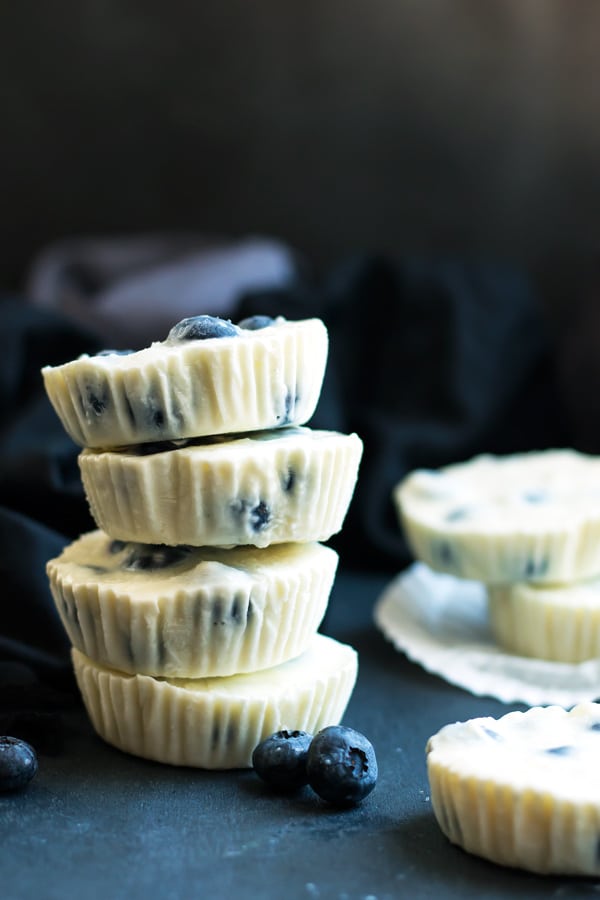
[(501, 519), (288, 484), (215, 723), (209, 376), (190, 612), (522, 790), (557, 622)]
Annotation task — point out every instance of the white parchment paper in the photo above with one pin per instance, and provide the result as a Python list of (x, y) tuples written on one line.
[(441, 623)]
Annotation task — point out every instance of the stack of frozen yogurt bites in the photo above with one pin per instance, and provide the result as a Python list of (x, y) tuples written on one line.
[(528, 527), (522, 790), (193, 610)]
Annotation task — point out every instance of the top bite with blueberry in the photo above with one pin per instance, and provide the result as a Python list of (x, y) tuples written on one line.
[(209, 376)]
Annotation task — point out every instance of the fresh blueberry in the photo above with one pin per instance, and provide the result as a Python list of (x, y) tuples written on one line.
[(280, 760), (341, 765), (18, 763), (255, 323), (198, 328)]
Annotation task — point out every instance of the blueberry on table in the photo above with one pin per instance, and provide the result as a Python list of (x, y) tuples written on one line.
[(280, 760), (255, 323), (198, 328), (18, 763), (341, 765)]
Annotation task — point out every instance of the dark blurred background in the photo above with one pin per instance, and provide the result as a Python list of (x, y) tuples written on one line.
[(400, 129), (334, 125), (394, 134)]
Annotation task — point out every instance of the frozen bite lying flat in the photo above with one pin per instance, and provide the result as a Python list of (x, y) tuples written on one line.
[(522, 790)]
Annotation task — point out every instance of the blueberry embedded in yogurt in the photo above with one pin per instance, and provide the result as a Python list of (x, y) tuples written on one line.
[(256, 323), (200, 328), (146, 557), (250, 517), (18, 763), (96, 398)]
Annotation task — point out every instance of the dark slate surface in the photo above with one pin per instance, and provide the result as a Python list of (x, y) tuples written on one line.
[(98, 823)]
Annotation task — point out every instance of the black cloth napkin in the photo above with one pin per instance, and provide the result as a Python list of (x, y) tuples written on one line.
[(430, 362), (41, 508)]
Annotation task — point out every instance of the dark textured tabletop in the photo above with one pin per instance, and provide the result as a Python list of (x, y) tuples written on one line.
[(96, 822)]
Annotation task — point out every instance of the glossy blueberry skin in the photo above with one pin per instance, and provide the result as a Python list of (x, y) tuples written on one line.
[(255, 323), (18, 763), (280, 760), (341, 765), (199, 328)]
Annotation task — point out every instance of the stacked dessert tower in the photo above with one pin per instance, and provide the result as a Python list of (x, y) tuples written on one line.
[(527, 526), (194, 608)]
